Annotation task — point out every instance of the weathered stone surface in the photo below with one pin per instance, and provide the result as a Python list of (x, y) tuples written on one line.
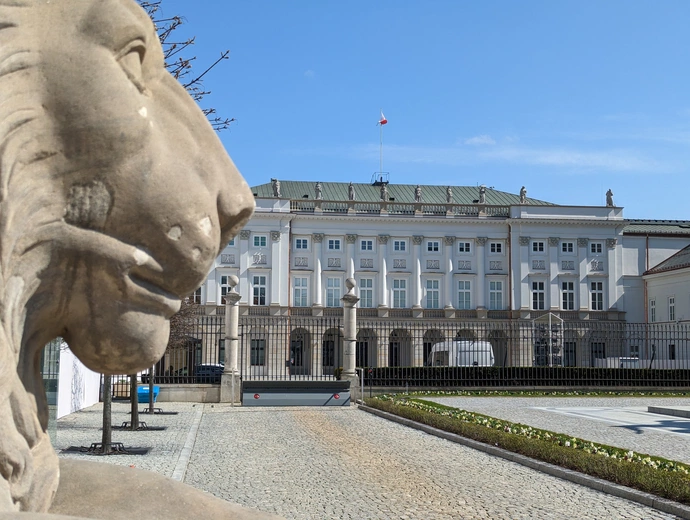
[(115, 198), (135, 493)]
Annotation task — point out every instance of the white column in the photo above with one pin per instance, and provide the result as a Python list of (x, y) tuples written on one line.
[(317, 239), (582, 244), (276, 268), (447, 270), (244, 264), (523, 277), (416, 299), (350, 255), (480, 243), (554, 299), (611, 301), (383, 270)]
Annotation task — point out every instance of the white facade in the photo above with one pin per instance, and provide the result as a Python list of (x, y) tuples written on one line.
[(78, 387), (510, 261)]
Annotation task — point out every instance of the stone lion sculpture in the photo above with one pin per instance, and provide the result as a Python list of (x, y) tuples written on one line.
[(115, 198)]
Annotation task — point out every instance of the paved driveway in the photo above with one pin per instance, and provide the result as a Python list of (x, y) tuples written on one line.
[(316, 463)]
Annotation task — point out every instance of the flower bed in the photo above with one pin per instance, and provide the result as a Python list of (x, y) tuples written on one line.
[(662, 477)]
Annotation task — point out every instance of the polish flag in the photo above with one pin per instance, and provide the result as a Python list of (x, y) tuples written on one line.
[(383, 119)]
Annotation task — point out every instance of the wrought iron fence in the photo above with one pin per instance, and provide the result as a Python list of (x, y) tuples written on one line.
[(439, 352), (290, 347)]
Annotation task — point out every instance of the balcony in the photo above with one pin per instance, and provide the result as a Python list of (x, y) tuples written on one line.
[(397, 208)]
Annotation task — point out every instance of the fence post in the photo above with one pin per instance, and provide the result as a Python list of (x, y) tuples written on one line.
[(230, 384), (350, 332)]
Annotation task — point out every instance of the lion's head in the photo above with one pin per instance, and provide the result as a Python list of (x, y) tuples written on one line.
[(115, 197)]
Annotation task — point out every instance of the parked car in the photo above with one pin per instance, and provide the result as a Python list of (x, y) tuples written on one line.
[(208, 373)]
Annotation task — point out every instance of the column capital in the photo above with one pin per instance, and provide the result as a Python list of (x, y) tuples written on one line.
[(582, 242), (417, 240), (351, 238), (383, 239), (275, 236), (553, 241), (611, 242), (317, 237), (523, 241), (481, 241), (244, 234), (449, 241)]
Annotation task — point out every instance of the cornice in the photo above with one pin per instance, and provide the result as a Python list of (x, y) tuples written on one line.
[(567, 221)]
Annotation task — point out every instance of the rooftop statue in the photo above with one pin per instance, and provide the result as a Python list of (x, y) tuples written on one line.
[(482, 194), (449, 195), (351, 192), (116, 196), (317, 191), (418, 194), (609, 199), (523, 195)]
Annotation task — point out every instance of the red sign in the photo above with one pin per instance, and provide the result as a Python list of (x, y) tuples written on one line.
[(337, 396), (256, 396)]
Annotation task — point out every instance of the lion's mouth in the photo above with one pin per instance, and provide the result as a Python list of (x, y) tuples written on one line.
[(152, 294)]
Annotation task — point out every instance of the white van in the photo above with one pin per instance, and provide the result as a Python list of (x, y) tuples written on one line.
[(461, 353)]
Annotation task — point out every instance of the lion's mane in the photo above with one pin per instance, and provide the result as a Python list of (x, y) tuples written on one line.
[(28, 465)]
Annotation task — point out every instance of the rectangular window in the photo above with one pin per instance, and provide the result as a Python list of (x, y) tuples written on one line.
[(232, 242), (399, 245), (259, 240), (196, 296), (567, 247), (366, 245), (259, 290), (595, 248), (672, 308), (432, 246), (464, 295), (366, 293), (538, 296), (300, 292), (537, 247), (597, 289), (301, 243), (464, 247), (333, 292), (432, 294), (672, 351), (224, 286), (496, 247), (496, 296), (568, 289), (334, 244), (569, 350), (598, 350), (258, 352), (635, 351), (652, 311), (399, 294)]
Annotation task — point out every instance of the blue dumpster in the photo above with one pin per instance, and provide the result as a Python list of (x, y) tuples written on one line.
[(143, 394)]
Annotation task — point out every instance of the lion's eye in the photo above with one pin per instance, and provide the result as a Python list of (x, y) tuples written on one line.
[(131, 59)]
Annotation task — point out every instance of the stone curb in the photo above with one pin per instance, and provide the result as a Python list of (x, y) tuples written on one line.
[(647, 499)]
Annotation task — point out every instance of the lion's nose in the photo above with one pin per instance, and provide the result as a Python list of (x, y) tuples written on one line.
[(235, 203)]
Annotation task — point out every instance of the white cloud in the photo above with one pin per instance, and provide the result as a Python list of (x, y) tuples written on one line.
[(480, 140)]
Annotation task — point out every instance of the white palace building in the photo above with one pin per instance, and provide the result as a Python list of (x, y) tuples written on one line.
[(429, 252)]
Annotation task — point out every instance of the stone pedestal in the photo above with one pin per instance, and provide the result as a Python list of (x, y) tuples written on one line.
[(230, 388)]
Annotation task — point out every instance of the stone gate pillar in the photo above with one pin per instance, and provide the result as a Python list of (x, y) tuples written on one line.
[(230, 382), (350, 336)]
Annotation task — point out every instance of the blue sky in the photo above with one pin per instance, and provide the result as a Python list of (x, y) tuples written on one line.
[(569, 98)]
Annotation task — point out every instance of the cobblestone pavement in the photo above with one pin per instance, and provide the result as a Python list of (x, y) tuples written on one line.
[(316, 463), (596, 419)]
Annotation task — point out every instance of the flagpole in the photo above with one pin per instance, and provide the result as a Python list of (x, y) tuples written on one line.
[(381, 148)]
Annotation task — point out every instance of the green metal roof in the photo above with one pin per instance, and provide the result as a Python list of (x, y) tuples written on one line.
[(678, 261), (431, 194), (657, 227)]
